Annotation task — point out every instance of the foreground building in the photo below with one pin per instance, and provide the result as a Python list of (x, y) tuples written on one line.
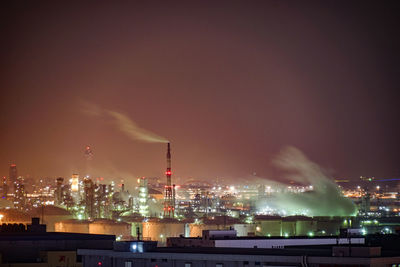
[(224, 257), (218, 248), (229, 239), (33, 246)]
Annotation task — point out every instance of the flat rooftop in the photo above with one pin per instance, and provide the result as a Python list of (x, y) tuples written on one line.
[(15, 236), (267, 237), (315, 251)]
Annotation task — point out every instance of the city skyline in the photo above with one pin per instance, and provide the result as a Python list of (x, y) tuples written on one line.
[(229, 86)]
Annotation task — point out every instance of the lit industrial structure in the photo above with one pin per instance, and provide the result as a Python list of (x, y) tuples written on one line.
[(143, 197), (169, 201), (154, 210)]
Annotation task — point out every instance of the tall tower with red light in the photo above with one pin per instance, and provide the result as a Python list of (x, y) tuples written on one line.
[(88, 153), (89, 158), (169, 207)]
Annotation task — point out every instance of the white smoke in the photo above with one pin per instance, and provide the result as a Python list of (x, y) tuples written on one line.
[(123, 123), (325, 199)]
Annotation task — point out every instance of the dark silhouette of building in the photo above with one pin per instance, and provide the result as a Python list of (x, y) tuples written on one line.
[(59, 192), (89, 198), (32, 245), (12, 176)]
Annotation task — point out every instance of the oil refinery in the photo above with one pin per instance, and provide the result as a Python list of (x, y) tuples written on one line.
[(156, 210)]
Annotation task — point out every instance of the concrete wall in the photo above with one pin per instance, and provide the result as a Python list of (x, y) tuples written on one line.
[(62, 259)]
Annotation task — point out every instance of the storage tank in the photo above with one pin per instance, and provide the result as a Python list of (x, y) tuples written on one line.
[(15, 216), (159, 230), (121, 230), (268, 225), (330, 225), (72, 226), (135, 221), (305, 226), (288, 226), (49, 215)]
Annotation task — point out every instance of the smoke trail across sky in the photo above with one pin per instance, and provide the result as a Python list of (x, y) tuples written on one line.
[(324, 200), (123, 123)]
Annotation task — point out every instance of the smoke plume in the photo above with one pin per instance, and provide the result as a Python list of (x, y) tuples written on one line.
[(123, 123), (325, 199)]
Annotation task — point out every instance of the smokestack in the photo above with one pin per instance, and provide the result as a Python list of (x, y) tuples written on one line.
[(169, 206), (169, 154)]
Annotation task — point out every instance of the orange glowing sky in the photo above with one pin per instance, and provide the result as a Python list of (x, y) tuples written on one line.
[(228, 83)]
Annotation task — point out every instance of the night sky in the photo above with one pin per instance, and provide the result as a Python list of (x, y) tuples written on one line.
[(228, 83)]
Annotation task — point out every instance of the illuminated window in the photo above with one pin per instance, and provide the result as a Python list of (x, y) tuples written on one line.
[(188, 264)]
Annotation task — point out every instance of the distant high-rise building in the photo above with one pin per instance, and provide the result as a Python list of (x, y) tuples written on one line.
[(4, 186), (59, 192), (13, 176), (89, 198), (19, 195)]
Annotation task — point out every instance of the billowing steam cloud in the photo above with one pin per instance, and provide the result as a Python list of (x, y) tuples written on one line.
[(324, 200), (123, 123)]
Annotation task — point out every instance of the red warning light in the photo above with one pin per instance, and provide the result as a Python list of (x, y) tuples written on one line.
[(168, 172), (99, 263)]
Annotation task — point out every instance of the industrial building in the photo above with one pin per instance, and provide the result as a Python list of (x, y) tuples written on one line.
[(140, 254), (229, 239)]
